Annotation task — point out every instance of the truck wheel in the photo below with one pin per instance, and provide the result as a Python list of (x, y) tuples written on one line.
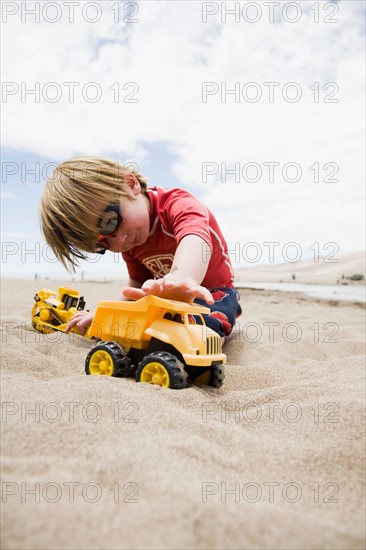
[(162, 368), (108, 359), (211, 376)]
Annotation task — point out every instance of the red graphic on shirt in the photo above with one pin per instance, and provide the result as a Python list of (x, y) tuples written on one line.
[(160, 264)]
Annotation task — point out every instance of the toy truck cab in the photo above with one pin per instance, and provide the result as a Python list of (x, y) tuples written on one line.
[(160, 341)]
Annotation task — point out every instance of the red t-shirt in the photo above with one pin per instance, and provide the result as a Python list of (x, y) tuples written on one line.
[(174, 214)]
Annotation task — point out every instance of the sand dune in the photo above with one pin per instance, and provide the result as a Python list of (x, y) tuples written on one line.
[(116, 464), (324, 271)]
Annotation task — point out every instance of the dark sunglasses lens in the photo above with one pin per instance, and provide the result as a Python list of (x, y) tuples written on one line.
[(108, 223), (100, 249)]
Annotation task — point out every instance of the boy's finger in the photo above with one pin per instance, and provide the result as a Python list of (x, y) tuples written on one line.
[(148, 285), (190, 284), (69, 326), (169, 281), (206, 295), (133, 293), (82, 329)]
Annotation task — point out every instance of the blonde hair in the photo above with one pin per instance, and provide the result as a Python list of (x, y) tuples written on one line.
[(69, 204)]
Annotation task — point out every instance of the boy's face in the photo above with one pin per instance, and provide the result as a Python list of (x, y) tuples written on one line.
[(135, 226)]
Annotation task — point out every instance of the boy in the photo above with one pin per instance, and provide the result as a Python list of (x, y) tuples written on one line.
[(171, 243)]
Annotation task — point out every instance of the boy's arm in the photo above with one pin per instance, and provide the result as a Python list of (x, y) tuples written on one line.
[(191, 259), (189, 268)]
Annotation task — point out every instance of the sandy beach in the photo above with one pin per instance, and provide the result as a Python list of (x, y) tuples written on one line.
[(273, 459), (326, 270)]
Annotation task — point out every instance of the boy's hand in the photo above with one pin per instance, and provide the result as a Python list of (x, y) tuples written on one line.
[(82, 319), (171, 288)]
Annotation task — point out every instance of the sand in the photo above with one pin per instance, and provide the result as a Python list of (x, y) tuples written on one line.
[(273, 459), (325, 270)]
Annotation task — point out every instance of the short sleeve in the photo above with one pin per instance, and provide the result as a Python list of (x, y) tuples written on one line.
[(185, 215)]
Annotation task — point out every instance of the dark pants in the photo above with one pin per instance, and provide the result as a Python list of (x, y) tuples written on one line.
[(224, 311)]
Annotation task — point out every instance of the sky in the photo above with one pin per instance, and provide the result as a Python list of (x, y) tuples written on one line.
[(255, 107)]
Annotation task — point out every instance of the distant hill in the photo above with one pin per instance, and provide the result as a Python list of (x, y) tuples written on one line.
[(308, 271)]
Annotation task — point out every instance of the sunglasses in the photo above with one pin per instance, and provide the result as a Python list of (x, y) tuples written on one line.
[(108, 226)]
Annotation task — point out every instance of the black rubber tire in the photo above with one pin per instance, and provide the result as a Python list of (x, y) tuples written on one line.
[(175, 368), (118, 355), (217, 376), (215, 379)]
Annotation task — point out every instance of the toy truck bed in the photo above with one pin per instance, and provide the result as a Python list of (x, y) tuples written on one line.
[(129, 321)]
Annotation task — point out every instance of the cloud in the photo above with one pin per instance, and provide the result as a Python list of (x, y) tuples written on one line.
[(150, 75), (168, 54), (5, 195)]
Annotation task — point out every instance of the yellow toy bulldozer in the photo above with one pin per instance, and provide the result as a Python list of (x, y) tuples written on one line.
[(158, 341), (51, 313)]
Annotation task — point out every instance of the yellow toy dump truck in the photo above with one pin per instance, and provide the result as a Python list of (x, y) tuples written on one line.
[(158, 341)]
